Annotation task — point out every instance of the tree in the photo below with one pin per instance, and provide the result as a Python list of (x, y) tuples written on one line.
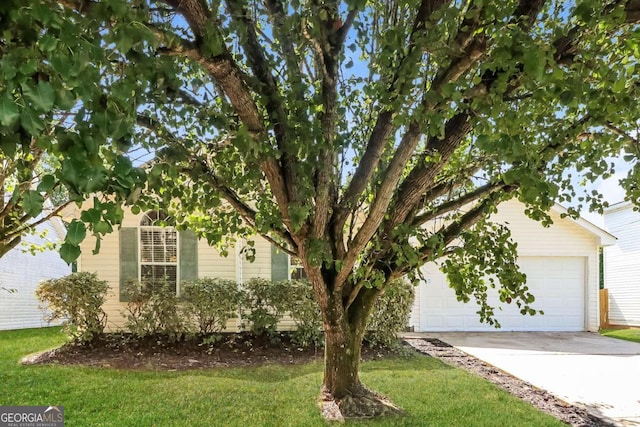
[(365, 138)]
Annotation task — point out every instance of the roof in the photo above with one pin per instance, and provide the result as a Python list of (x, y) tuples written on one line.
[(618, 207), (604, 237)]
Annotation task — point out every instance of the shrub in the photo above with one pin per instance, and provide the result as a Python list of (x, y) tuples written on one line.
[(77, 299), (210, 303), (391, 313), (264, 304), (153, 310), (305, 312)]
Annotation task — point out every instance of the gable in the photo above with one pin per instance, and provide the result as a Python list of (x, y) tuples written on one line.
[(565, 236)]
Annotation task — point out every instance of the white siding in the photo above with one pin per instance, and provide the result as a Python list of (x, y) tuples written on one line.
[(106, 265), (564, 238), (414, 316), (23, 271), (622, 265), (212, 264), (261, 266)]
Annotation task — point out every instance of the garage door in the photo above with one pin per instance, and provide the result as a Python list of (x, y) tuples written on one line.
[(558, 284)]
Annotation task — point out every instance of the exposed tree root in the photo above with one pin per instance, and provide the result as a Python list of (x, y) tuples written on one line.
[(363, 404)]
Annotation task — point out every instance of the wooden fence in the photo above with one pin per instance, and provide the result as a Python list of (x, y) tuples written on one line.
[(604, 308)]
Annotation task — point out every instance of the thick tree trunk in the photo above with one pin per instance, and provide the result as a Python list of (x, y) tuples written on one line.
[(341, 362), (343, 396)]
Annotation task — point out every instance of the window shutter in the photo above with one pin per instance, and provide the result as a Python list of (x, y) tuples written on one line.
[(279, 265), (188, 255), (128, 259)]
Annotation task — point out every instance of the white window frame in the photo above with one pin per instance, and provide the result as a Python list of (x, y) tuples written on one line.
[(152, 228), (296, 266)]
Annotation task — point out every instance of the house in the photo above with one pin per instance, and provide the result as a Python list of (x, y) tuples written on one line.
[(146, 249), (561, 264), (622, 264), (22, 271)]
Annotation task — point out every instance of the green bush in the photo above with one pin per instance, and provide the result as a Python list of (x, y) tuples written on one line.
[(305, 312), (153, 310), (210, 303), (77, 299), (263, 305), (390, 314)]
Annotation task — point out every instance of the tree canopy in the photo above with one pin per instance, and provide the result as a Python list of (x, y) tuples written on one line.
[(364, 137), (52, 150)]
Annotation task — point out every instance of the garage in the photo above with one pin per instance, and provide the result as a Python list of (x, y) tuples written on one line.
[(558, 283), (561, 264)]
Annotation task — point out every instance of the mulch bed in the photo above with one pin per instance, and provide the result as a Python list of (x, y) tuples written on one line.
[(570, 414), (121, 351)]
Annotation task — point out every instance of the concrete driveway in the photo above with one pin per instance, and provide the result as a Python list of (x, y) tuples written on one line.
[(600, 373)]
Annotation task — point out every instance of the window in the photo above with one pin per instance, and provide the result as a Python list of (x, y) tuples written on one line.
[(296, 269), (158, 250)]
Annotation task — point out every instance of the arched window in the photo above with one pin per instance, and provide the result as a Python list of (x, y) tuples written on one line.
[(158, 250)]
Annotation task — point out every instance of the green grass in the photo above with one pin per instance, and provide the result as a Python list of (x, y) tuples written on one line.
[(433, 393), (622, 334)]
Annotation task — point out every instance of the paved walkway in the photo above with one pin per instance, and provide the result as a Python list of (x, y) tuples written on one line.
[(600, 373)]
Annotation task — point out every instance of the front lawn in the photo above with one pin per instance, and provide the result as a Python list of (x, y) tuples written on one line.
[(623, 334), (433, 393)]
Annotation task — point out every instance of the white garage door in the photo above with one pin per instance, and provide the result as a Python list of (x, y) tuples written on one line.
[(558, 284)]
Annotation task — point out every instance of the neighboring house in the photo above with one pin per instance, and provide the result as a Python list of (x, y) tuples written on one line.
[(561, 264), (22, 271), (622, 264), (143, 249)]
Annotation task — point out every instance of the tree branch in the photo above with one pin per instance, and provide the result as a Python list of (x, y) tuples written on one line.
[(341, 34), (228, 76), (617, 131), (294, 61), (270, 91), (383, 127), (452, 231), (380, 204), (457, 203), (423, 176), (24, 226)]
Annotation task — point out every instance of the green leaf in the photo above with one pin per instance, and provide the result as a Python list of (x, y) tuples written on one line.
[(535, 63), (566, 97), (65, 99), (31, 122), (483, 142), (29, 68), (32, 202), (48, 43), (8, 146), (91, 215), (76, 232), (103, 227), (9, 114), (618, 86), (69, 252), (42, 96), (46, 183)]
